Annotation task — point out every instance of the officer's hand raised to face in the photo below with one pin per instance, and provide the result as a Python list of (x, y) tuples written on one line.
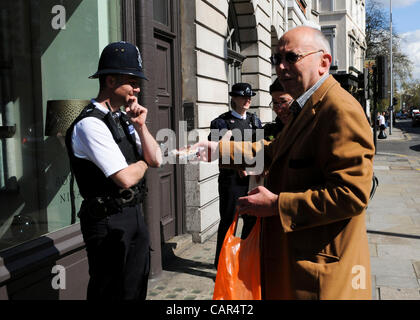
[(136, 112)]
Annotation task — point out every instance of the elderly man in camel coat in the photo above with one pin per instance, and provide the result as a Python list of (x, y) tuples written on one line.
[(314, 241)]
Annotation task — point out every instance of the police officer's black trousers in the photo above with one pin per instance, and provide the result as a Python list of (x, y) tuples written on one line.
[(118, 255), (228, 195)]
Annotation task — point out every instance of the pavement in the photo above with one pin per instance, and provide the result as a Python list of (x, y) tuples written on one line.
[(188, 273), (393, 226)]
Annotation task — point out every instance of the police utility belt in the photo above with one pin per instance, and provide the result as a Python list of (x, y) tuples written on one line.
[(100, 207)]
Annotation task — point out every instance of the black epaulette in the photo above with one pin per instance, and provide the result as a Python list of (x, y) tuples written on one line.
[(226, 115)]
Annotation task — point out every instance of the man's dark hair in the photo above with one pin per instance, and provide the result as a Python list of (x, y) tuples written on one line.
[(276, 86), (102, 80)]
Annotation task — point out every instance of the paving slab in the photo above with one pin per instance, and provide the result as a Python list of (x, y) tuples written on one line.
[(399, 251), (386, 239), (397, 282), (391, 267), (416, 265), (386, 293), (391, 218)]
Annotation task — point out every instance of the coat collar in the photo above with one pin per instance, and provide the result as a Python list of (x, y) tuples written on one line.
[(294, 127)]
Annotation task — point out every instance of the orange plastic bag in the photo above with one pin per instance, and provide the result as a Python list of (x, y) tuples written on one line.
[(238, 273)]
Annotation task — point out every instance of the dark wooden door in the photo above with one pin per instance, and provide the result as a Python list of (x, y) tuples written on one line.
[(164, 68)]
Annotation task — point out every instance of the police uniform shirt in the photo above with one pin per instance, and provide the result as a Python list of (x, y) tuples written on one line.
[(237, 115), (92, 140)]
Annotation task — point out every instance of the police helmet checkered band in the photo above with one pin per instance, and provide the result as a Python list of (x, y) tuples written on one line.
[(139, 58), (242, 89)]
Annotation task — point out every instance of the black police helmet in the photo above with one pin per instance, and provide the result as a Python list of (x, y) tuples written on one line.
[(242, 90), (120, 58)]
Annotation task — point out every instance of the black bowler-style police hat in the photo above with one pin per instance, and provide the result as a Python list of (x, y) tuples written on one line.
[(242, 90), (120, 58)]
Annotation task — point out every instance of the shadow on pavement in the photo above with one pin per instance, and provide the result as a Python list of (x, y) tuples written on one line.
[(406, 127), (415, 148), (173, 263)]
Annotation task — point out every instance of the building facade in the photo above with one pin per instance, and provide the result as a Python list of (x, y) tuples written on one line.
[(193, 51), (343, 23), (223, 43)]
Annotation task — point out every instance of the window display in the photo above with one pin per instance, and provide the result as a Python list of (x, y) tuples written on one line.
[(48, 49)]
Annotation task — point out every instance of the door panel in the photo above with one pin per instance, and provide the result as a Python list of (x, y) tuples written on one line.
[(165, 103)]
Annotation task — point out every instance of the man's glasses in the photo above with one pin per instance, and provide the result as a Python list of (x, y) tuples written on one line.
[(279, 104), (290, 57)]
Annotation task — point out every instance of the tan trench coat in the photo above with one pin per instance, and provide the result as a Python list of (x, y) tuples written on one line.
[(321, 166)]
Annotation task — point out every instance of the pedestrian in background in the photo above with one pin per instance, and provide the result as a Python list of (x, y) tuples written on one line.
[(314, 241), (242, 125), (386, 115), (110, 150), (382, 126), (280, 103)]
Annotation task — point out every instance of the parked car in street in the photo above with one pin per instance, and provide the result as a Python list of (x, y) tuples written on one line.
[(400, 115), (415, 118)]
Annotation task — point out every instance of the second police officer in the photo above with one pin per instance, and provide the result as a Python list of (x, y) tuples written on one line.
[(110, 150), (232, 183)]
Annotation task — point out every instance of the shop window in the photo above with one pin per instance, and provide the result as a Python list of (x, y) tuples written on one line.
[(302, 5), (315, 5), (329, 33), (352, 53), (340, 4), (48, 49), (327, 5)]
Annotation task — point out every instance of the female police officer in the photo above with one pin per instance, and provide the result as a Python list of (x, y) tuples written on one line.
[(109, 152), (232, 183)]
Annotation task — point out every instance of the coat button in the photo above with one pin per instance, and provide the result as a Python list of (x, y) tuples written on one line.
[(293, 226)]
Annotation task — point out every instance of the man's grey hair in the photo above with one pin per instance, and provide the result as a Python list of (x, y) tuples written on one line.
[(322, 40)]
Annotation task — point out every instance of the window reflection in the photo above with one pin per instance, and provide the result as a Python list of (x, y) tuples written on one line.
[(40, 63)]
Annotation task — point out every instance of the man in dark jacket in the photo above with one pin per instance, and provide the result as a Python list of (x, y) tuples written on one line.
[(280, 104)]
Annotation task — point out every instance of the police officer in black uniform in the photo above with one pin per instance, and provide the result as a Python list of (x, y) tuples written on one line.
[(110, 150), (280, 104), (232, 183)]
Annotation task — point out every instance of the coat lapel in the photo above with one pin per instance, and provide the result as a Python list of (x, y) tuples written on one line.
[(294, 128)]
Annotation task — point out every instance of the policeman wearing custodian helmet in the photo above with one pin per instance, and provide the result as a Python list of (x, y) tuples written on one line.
[(110, 150)]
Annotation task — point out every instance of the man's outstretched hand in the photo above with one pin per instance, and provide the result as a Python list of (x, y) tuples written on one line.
[(208, 151)]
